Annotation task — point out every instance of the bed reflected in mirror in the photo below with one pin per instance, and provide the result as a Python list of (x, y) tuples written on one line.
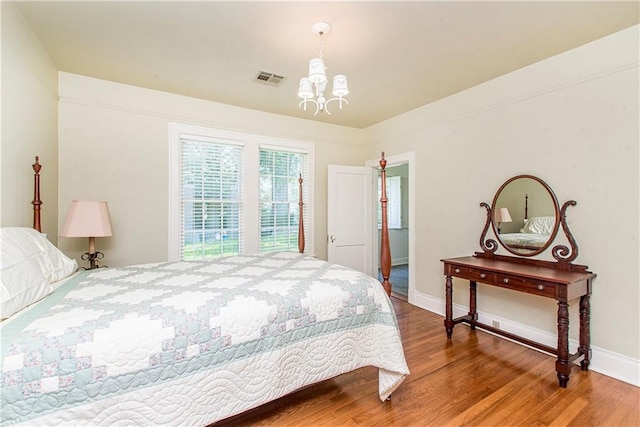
[(525, 215)]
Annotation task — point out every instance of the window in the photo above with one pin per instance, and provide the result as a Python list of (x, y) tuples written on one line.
[(394, 201), (215, 209), (279, 198), (211, 199)]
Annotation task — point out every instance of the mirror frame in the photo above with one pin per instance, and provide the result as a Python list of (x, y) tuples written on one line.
[(556, 209), (563, 254)]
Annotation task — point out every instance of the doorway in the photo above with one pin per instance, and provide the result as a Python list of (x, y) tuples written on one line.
[(397, 178), (401, 196)]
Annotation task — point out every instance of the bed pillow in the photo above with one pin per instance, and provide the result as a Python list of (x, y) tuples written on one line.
[(29, 264), (539, 225)]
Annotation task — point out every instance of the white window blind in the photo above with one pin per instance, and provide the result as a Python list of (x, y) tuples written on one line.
[(280, 172), (211, 199)]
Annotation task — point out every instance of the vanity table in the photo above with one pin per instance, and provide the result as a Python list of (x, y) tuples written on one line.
[(560, 279)]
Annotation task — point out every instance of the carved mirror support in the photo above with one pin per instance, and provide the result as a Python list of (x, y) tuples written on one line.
[(525, 218), (560, 252)]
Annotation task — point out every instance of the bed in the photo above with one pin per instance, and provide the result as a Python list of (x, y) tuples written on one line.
[(186, 343), (534, 235)]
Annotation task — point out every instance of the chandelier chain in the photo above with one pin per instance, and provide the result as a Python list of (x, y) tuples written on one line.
[(321, 45)]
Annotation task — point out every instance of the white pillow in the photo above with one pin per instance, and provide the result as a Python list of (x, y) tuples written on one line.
[(539, 225), (29, 264)]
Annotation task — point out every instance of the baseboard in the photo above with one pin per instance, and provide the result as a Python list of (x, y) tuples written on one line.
[(603, 361)]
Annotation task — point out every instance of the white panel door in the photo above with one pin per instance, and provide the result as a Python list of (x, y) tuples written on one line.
[(350, 217)]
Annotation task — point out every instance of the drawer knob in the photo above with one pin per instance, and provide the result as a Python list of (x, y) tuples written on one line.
[(482, 275), (540, 287), (457, 270), (505, 280)]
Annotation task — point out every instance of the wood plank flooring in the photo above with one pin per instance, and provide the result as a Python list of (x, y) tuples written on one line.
[(475, 379)]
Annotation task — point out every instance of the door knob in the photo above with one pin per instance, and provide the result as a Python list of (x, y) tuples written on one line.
[(333, 239)]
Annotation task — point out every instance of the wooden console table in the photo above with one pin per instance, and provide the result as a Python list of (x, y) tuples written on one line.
[(543, 278)]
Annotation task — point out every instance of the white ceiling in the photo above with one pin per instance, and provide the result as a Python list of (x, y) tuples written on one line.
[(397, 55)]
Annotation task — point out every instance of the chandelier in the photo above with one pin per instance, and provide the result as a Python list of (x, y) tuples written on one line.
[(311, 88)]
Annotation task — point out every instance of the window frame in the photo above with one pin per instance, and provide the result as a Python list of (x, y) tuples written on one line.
[(252, 143)]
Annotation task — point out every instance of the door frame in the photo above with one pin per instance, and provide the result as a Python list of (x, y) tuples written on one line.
[(396, 160)]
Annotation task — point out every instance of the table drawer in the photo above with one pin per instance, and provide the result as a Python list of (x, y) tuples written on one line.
[(535, 287), (473, 274)]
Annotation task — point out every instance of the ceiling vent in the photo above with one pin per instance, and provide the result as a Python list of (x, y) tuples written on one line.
[(268, 78)]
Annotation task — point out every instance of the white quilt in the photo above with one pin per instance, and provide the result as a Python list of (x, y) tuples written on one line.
[(191, 343), (525, 240)]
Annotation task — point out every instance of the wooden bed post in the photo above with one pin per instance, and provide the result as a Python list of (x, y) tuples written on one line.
[(36, 195), (301, 218), (385, 250)]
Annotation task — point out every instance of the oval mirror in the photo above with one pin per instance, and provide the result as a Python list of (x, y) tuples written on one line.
[(525, 215)]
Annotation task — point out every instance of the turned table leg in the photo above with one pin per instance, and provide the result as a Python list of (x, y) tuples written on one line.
[(563, 367), (473, 315), (448, 320), (585, 335)]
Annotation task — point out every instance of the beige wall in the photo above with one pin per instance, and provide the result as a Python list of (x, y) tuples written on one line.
[(114, 147), (572, 120), (29, 125)]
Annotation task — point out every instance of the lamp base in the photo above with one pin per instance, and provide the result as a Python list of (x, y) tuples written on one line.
[(93, 259)]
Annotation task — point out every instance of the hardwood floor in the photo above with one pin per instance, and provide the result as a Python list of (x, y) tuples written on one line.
[(475, 379)]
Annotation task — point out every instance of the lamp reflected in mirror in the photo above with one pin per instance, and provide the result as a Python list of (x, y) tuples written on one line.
[(502, 215)]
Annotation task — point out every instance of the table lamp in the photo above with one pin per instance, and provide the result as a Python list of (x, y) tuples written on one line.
[(88, 219), (502, 215)]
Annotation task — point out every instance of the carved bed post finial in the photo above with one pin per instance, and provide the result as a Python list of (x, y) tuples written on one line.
[(301, 218), (36, 194), (385, 250)]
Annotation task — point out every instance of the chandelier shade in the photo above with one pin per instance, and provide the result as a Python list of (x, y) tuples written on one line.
[(311, 88), (317, 71), (305, 89), (340, 87)]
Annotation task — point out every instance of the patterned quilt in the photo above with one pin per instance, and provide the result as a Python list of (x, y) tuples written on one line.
[(530, 241), (193, 342)]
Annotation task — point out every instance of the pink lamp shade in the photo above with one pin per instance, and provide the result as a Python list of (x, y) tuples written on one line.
[(87, 219), (502, 215)]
